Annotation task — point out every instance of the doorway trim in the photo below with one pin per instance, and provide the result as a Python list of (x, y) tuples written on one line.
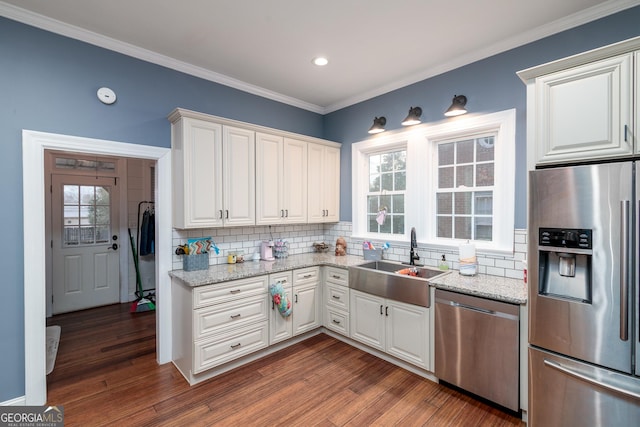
[(34, 145)]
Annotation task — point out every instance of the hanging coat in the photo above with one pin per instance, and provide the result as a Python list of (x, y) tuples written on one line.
[(147, 233)]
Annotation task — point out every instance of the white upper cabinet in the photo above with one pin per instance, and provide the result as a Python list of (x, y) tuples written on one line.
[(197, 173), (585, 112), (324, 183), (228, 173), (239, 176), (281, 180), (584, 107)]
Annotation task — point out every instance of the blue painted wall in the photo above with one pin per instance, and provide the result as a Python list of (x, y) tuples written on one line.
[(48, 83), (490, 85)]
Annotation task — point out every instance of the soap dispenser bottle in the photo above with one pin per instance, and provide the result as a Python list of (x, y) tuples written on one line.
[(443, 264)]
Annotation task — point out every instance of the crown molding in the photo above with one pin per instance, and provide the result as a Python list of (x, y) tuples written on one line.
[(593, 13), (77, 33), (58, 27)]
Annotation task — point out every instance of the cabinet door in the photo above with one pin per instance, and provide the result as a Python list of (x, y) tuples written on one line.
[(294, 195), (197, 173), (367, 319), (407, 328), (331, 183), (280, 328), (306, 313), (315, 187), (239, 176), (269, 179), (585, 112)]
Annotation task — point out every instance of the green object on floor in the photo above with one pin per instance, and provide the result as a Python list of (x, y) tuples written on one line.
[(141, 303)]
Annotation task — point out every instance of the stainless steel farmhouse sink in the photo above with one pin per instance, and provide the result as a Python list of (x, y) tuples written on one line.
[(399, 282)]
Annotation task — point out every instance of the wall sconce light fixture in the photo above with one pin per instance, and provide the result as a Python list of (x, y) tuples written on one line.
[(413, 118), (378, 125), (457, 107)]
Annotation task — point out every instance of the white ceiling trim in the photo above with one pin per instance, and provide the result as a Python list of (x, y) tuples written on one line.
[(58, 27), (572, 21)]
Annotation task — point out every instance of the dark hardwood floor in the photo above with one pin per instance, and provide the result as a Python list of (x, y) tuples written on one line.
[(106, 374)]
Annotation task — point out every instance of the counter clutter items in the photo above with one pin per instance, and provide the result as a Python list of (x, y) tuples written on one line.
[(468, 260), (195, 254)]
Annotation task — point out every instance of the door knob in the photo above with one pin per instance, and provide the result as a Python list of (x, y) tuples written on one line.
[(114, 247)]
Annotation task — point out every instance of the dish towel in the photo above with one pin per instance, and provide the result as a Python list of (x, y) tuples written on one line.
[(280, 299)]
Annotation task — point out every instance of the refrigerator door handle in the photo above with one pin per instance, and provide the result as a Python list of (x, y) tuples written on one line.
[(590, 380), (624, 270)]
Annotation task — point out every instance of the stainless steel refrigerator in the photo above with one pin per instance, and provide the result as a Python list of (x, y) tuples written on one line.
[(584, 350)]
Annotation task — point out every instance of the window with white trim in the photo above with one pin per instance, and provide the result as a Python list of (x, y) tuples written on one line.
[(459, 178), (387, 187)]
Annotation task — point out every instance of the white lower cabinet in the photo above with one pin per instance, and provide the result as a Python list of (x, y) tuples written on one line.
[(306, 300), (280, 327), (215, 324), (399, 329), (336, 300)]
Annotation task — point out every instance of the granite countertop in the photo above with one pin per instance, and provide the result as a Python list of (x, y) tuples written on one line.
[(498, 288), (494, 287)]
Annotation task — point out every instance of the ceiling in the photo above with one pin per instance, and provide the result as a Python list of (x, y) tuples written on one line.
[(266, 47)]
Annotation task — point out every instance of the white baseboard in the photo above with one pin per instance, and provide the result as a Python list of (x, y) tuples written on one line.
[(18, 401)]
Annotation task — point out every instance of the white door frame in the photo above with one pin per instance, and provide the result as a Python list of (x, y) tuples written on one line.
[(34, 145)]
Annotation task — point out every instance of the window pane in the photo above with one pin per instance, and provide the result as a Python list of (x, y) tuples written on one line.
[(372, 204), (444, 226), (70, 235), (484, 203), (387, 162), (398, 203), (102, 215), (484, 229), (71, 194), (464, 176), (102, 234), (443, 203), (463, 203), (373, 225), (401, 161), (86, 235), (401, 181), (445, 177), (464, 151), (484, 147), (385, 201), (463, 228), (102, 196), (87, 195), (374, 165), (484, 174), (445, 154), (398, 224), (386, 226), (387, 182), (374, 183), (71, 215)]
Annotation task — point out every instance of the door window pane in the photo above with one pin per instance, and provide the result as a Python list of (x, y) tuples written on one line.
[(86, 215)]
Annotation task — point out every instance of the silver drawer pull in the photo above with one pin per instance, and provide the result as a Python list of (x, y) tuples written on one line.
[(235, 291), (335, 276), (337, 322), (335, 297), (235, 316), (307, 276), (234, 346)]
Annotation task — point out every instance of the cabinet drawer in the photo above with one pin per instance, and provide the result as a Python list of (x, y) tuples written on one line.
[(306, 275), (337, 320), (339, 276), (337, 296), (228, 291), (220, 349), (211, 319)]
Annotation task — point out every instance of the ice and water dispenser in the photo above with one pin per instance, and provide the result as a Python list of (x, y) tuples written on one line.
[(565, 263)]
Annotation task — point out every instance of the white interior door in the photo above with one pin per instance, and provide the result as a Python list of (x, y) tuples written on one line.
[(85, 242)]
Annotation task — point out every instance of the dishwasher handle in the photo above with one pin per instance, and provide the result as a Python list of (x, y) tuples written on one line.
[(456, 304)]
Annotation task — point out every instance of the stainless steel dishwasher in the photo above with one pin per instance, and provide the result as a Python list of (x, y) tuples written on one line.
[(477, 346)]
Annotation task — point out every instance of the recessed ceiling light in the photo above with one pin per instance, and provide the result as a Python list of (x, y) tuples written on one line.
[(320, 61)]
